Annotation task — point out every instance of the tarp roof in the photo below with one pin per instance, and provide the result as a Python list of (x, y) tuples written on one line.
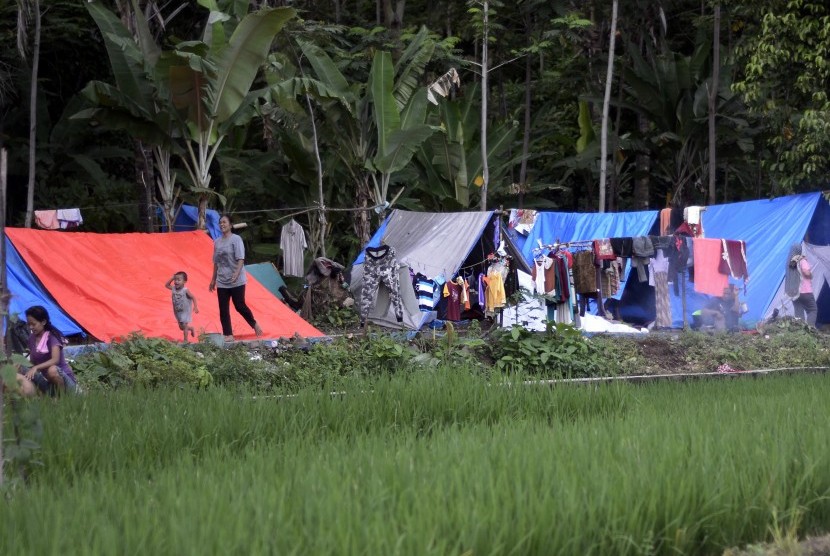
[(113, 284), (579, 226), (430, 242), (769, 227), (27, 291)]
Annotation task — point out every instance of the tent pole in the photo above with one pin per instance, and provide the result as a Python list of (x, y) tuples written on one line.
[(683, 294), (4, 300)]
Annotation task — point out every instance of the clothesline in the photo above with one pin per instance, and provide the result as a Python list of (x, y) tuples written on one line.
[(557, 245)]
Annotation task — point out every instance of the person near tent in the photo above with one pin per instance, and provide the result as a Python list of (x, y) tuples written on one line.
[(49, 373), (721, 313), (798, 285), (229, 278), (184, 302)]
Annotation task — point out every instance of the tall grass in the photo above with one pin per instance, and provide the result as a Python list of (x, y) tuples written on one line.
[(429, 464)]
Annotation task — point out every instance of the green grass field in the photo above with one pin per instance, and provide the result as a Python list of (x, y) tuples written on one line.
[(429, 463)]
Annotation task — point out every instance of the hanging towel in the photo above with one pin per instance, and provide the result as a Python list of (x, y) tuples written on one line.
[(69, 218), (47, 219), (693, 215), (665, 222), (734, 259), (708, 254)]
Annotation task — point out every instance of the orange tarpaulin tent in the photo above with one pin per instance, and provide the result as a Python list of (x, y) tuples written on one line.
[(113, 284)]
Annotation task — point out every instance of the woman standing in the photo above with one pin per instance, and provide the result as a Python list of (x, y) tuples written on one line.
[(798, 285), (229, 278), (49, 373)]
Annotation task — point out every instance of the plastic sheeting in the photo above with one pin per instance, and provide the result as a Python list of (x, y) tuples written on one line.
[(113, 284), (429, 242), (27, 291), (188, 216), (578, 226), (768, 227)]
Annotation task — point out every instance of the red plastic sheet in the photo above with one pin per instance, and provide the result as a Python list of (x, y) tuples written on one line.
[(113, 284)]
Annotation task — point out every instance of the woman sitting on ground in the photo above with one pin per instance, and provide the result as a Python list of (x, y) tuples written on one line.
[(49, 373)]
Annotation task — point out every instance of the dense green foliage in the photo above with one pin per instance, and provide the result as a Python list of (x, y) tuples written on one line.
[(347, 81), (562, 352), (433, 463)]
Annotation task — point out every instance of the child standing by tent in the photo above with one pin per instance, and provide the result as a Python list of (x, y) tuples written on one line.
[(184, 303)]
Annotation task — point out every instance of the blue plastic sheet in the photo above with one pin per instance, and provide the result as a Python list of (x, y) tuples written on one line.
[(187, 217), (27, 291)]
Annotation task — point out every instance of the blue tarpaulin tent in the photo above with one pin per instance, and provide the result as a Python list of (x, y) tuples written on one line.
[(768, 226), (574, 226)]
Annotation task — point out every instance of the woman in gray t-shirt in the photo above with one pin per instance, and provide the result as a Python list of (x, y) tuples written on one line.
[(229, 278)]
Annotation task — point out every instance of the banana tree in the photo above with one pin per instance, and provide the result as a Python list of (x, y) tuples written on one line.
[(135, 103), (210, 84), (450, 162), (183, 101), (379, 124)]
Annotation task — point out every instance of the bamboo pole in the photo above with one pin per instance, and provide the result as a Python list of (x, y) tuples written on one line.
[(4, 299)]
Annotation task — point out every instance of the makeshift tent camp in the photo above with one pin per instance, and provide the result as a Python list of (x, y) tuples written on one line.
[(768, 226), (433, 244), (572, 226), (113, 284)]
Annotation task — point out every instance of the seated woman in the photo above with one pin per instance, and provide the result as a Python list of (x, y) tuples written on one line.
[(49, 373)]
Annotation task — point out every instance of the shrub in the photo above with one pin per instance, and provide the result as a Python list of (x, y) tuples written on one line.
[(142, 361), (562, 351)]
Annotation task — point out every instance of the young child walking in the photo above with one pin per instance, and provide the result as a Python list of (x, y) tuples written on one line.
[(184, 303)]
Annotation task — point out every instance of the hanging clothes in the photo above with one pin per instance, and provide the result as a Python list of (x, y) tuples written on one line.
[(708, 254), (425, 292), (452, 291), (641, 250), (380, 267), (293, 243), (495, 294), (69, 218), (584, 272), (659, 278), (47, 219), (734, 259)]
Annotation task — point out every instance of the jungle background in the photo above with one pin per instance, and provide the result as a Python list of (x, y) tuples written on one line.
[(311, 109)]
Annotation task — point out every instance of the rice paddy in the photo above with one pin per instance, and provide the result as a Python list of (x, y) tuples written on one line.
[(428, 463)]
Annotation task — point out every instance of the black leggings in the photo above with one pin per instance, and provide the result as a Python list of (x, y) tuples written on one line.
[(237, 294)]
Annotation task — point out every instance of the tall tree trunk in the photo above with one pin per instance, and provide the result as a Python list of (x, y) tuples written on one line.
[(485, 167), (642, 175), (30, 191), (614, 182), (393, 15), (144, 184), (526, 134), (713, 105), (609, 77), (321, 217), (361, 219)]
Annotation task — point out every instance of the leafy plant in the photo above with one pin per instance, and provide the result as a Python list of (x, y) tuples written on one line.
[(144, 362), (561, 351)]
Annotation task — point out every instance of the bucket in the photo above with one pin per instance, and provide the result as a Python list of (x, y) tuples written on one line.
[(215, 339)]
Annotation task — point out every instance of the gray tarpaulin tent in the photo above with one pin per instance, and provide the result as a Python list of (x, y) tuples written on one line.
[(430, 243)]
